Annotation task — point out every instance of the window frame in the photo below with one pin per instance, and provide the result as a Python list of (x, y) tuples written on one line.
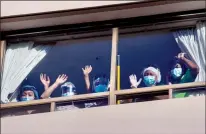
[(2, 55), (113, 93)]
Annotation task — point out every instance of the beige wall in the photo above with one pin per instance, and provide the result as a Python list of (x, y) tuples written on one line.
[(28, 7), (177, 116), (35, 21)]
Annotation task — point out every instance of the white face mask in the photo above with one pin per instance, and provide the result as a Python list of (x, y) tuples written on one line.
[(176, 72)]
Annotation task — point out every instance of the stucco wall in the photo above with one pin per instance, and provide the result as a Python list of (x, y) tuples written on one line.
[(80, 16), (177, 116), (28, 7)]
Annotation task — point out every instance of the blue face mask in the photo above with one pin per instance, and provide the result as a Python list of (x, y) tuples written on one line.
[(100, 88), (149, 80), (100, 84), (27, 98), (176, 72)]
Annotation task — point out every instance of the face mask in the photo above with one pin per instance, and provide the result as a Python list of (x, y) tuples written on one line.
[(149, 80), (68, 94), (100, 88), (176, 72), (27, 98), (100, 84)]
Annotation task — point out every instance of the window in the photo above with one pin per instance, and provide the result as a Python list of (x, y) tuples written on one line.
[(65, 57), (157, 52), (69, 57), (137, 51)]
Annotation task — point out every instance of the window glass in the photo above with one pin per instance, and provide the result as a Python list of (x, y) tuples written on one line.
[(137, 51), (70, 58), (140, 51)]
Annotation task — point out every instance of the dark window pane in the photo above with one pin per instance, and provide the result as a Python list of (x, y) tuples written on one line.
[(137, 51)]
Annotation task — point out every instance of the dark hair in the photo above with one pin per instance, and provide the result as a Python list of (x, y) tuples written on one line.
[(176, 61), (27, 88), (100, 76), (104, 78)]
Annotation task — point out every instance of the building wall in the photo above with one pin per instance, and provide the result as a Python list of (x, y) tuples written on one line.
[(73, 15), (30, 7), (176, 116)]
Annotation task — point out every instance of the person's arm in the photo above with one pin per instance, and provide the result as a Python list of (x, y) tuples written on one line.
[(191, 65), (60, 80), (86, 71)]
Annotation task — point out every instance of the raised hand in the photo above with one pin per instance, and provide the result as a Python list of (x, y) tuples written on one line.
[(133, 81), (61, 79), (45, 80), (180, 56), (87, 70)]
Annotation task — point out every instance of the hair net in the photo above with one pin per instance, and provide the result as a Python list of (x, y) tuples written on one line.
[(156, 71)]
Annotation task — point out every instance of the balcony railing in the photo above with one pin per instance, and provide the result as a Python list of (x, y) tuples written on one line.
[(49, 105)]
